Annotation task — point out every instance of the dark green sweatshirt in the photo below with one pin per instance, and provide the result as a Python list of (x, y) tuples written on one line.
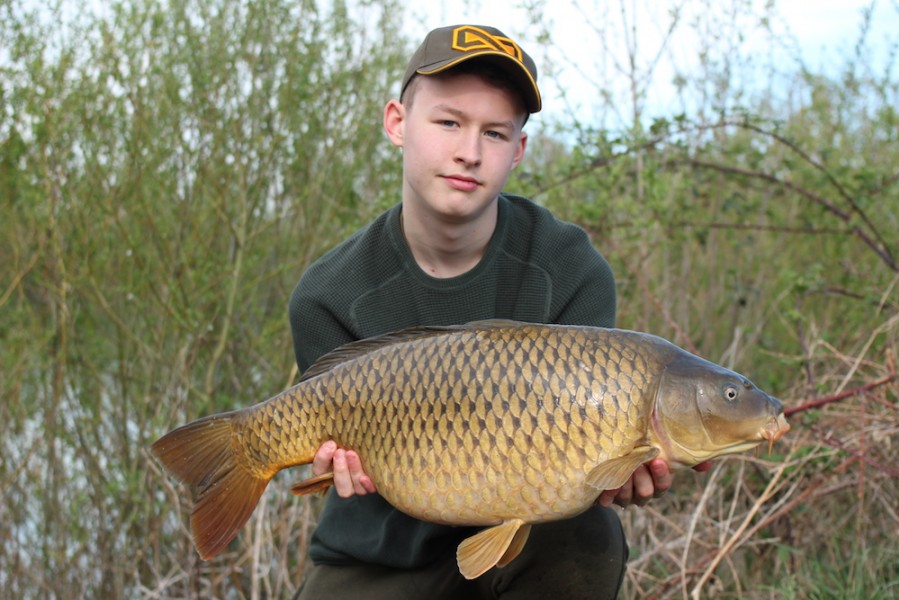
[(536, 269)]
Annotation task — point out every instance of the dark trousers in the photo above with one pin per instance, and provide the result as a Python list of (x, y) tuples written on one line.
[(579, 558)]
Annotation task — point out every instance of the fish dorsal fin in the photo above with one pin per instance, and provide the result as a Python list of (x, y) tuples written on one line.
[(479, 553), (353, 350), (493, 324), (612, 474)]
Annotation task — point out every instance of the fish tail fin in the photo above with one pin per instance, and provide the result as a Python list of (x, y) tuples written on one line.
[(201, 454)]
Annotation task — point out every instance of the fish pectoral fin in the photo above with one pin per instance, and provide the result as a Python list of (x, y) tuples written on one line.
[(499, 544), (614, 473), (313, 484)]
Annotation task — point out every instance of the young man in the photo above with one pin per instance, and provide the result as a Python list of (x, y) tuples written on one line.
[(456, 249)]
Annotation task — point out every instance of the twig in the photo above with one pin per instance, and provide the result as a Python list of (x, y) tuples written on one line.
[(699, 510), (878, 246), (738, 538), (860, 455), (21, 274), (682, 338), (841, 396), (256, 551)]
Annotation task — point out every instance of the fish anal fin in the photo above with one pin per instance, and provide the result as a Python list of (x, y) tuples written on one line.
[(479, 553), (201, 454), (517, 545), (612, 474), (319, 483)]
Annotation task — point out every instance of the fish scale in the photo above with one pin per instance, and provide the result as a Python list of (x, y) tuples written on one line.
[(495, 424)]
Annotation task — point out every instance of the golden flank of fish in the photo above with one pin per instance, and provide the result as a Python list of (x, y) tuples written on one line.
[(497, 424)]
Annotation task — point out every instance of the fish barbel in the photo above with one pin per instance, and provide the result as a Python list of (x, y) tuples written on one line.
[(497, 424)]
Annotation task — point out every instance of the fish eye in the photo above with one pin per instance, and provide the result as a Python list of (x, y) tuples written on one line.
[(730, 392)]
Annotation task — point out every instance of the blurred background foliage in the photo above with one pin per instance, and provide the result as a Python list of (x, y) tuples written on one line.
[(168, 169)]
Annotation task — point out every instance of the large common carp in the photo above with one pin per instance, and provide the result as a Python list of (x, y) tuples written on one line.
[(498, 424)]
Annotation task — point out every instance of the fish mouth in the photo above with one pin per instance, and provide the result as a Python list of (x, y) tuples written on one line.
[(774, 430)]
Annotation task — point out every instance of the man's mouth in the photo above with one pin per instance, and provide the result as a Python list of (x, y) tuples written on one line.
[(462, 183)]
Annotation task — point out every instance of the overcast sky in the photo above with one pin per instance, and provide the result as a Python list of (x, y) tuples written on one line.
[(822, 33)]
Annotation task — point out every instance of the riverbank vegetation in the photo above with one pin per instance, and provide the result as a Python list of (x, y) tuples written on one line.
[(168, 169)]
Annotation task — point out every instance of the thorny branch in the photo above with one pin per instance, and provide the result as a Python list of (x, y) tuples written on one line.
[(869, 234)]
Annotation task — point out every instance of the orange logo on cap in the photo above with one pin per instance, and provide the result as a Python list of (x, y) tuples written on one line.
[(468, 38)]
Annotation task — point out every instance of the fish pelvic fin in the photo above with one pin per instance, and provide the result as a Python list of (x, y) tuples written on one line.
[(496, 546), (320, 483), (612, 474), (201, 455), (517, 545)]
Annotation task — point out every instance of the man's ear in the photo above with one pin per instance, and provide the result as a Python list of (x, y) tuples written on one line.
[(519, 152), (394, 122)]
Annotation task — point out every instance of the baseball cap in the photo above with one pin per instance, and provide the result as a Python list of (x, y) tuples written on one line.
[(446, 47)]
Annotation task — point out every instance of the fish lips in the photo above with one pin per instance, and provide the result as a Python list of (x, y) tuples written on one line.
[(775, 429)]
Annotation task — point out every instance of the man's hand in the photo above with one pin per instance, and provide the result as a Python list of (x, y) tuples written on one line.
[(649, 481), (349, 478)]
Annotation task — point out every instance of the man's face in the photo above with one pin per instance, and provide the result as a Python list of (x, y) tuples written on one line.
[(461, 137)]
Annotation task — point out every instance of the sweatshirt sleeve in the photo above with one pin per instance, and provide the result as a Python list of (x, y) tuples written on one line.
[(583, 283), (314, 327), (593, 301)]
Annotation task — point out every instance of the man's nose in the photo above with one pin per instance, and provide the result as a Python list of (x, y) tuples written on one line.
[(468, 151)]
